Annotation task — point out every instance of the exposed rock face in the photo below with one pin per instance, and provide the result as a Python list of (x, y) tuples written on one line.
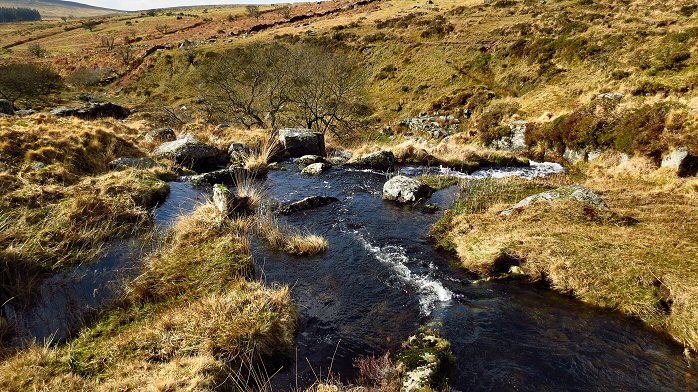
[(575, 192), (238, 152), (306, 160), (227, 203), (516, 141), (681, 160), (161, 135), (136, 163), (382, 160), (315, 168), (188, 151), (222, 176), (406, 190), (6, 107), (94, 111), (300, 141), (308, 203), (433, 126)]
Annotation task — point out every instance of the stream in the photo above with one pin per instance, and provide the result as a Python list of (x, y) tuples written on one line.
[(379, 281)]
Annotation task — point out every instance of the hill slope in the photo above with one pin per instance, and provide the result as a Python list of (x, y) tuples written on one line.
[(55, 9)]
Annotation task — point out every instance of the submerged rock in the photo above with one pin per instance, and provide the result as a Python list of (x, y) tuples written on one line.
[(682, 161), (161, 135), (189, 152), (406, 190), (381, 160), (315, 168), (575, 192), (424, 362), (307, 204), (136, 163), (301, 141)]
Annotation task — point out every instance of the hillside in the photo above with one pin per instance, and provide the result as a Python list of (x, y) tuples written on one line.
[(56, 9)]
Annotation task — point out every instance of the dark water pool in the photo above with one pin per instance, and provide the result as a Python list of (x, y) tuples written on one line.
[(381, 279)]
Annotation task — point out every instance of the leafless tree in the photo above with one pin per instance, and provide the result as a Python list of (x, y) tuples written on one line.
[(90, 24), (108, 42), (253, 10), (162, 28), (285, 11), (125, 53)]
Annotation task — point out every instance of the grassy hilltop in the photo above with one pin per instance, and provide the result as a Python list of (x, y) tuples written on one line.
[(615, 78)]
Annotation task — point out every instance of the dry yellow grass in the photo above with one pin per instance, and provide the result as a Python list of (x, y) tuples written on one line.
[(288, 239), (637, 258)]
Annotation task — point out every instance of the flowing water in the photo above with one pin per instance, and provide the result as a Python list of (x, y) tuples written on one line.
[(380, 280)]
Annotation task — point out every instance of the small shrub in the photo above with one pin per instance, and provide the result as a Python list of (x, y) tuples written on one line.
[(489, 125)]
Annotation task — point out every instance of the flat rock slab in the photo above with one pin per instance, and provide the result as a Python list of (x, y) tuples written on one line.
[(575, 192), (315, 168), (136, 163), (307, 204), (189, 152)]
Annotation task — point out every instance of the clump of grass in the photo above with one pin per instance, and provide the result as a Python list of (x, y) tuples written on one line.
[(257, 161), (286, 239), (438, 182)]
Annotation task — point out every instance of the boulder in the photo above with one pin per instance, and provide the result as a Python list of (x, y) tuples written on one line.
[(161, 135), (406, 190), (94, 111), (128, 162), (315, 168), (25, 112), (222, 176), (682, 161), (238, 152), (189, 152), (382, 160), (308, 203), (297, 142), (306, 160), (227, 203), (567, 192), (6, 107)]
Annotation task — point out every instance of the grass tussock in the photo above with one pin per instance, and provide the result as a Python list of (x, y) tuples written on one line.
[(257, 161), (610, 258), (286, 239), (190, 321)]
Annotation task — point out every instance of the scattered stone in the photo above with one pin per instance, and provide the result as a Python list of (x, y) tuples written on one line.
[(275, 166), (308, 203), (238, 152), (94, 111), (222, 176), (424, 362), (301, 141), (36, 165), (682, 161), (574, 156), (306, 160), (567, 192), (435, 127), (406, 190), (221, 127), (227, 203), (128, 162), (382, 160), (161, 135), (189, 152), (315, 168), (25, 112), (6, 107), (613, 97)]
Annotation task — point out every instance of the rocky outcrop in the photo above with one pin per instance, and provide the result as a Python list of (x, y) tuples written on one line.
[(297, 142), (128, 162), (6, 107), (189, 152), (575, 192), (682, 161), (315, 168), (161, 135), (516, 140), (307, 204), (406, 190), (227, 203), (306, 160), (94, 111), (382, 160), (432, 126)]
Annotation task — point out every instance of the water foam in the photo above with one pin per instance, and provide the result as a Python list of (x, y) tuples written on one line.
[(430, 291)]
